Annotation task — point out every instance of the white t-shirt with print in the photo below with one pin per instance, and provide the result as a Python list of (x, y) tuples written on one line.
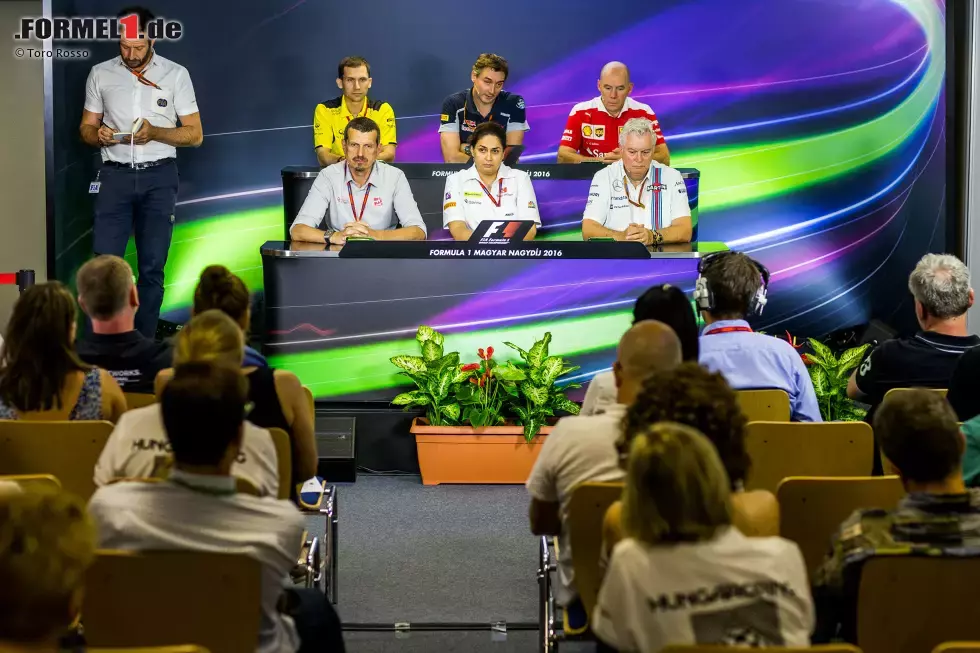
[(139, 444), (614, 204), (733, 590), (578, 449)]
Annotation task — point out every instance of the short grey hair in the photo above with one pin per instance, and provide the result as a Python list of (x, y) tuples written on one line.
[(941, 283), (639, 127)]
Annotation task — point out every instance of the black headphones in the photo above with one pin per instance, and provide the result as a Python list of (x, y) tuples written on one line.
[(705, 298)]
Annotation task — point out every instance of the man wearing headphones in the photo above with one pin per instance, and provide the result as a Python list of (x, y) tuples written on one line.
[(730, 288)]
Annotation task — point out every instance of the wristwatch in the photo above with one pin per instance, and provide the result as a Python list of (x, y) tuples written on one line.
[(467, 150), (327, 234), (656, 237)]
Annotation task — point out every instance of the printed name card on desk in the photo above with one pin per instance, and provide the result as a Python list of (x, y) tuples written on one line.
[(522, 250)]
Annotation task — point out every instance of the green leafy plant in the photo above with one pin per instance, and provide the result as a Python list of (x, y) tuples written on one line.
[(538, 398), (487, 393), (829, 375)]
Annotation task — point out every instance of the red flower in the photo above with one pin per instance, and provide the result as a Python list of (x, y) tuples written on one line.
[(483, 354), (806, 360), (489, 352), (792, 341), (470, 367)]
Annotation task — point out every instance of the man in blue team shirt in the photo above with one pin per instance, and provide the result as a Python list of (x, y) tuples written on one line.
[(486, 101), (731, 286)]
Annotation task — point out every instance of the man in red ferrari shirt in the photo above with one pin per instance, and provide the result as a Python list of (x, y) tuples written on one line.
[(592, 130)]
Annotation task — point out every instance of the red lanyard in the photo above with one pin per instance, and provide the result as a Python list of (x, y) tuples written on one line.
[(350, 194), (500, 190), (626, 187), (143, 80), (727, 329)]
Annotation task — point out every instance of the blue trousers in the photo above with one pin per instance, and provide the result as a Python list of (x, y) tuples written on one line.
[(140, 202)]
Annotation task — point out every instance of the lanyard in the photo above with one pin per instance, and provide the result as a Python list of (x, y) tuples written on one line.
[(500, 190), (626, 187), (350, 194), (728, 329), (143, 80)]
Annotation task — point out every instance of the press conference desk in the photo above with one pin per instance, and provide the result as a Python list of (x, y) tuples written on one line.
[(335, 315)]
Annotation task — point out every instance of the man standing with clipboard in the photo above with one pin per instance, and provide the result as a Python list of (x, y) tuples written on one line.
[(133, 103)]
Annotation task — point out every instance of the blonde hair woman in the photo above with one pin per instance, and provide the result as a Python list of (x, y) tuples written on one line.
[(684, 574), (47, 542), (213, 337)]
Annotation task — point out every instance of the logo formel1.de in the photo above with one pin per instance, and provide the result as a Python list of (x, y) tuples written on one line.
[(76, 28)]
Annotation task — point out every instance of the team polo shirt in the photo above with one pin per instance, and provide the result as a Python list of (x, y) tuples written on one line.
[(614, 204), (330, 118), (121, 98), (131, 358), (459, 114), (336, 197), (591, 131), (467, 201)]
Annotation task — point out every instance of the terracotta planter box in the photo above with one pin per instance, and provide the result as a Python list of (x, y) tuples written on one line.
[(463, 454)]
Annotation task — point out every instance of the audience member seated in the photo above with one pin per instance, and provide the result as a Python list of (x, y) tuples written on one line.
[(940, 286), (921, 440), (212, 336), (693, 396), (203, 409), (47, 542), (138, 447), (730, 289), (219, 289), (582, 448), (41, 376), (107, 294), (667, 304), (964, 386), (685, 574)]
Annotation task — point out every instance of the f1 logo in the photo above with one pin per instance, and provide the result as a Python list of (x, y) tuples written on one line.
[(508, 231)]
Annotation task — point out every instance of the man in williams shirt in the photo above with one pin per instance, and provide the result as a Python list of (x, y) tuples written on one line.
[(136, 187)]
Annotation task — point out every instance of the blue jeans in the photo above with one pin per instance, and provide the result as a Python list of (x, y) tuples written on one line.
[(141, 202)]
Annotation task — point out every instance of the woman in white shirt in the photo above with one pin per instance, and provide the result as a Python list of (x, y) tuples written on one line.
[(488, 190), (685, 575)]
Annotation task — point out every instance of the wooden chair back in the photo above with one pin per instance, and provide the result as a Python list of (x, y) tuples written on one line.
[(811, 509), (586, 510), (66, 450), (782, 449), (700, 648), (958, 647), (764, 405), (909, 604), (34, 481), (162, 598), (941, 391), (310, 400), (284, 458), (182, 648), (139, 399)]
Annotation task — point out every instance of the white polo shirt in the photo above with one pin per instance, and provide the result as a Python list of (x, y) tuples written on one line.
[(192, 512), (386, 191), (730, 591), (121, 98), (467, 201), (613, 201), (138, 447), (579, 449)]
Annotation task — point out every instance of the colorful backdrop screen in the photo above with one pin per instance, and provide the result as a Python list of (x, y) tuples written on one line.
[(818, 125)]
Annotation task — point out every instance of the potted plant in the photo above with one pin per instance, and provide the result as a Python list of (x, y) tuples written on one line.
[(484, 421), (829, 374)]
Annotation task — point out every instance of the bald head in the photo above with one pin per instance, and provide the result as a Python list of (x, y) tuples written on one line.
[(614, 86), (647, 347)]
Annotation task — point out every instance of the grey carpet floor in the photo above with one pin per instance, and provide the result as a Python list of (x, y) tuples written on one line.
[(452, 553)]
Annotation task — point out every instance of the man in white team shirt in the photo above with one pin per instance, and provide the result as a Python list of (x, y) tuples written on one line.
[(636, 198), (583, 448)]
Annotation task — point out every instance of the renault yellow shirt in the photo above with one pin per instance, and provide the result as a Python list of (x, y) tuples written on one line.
[(330, 118)]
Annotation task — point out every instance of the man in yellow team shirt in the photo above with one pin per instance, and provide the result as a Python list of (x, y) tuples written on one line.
[(330, 118)]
